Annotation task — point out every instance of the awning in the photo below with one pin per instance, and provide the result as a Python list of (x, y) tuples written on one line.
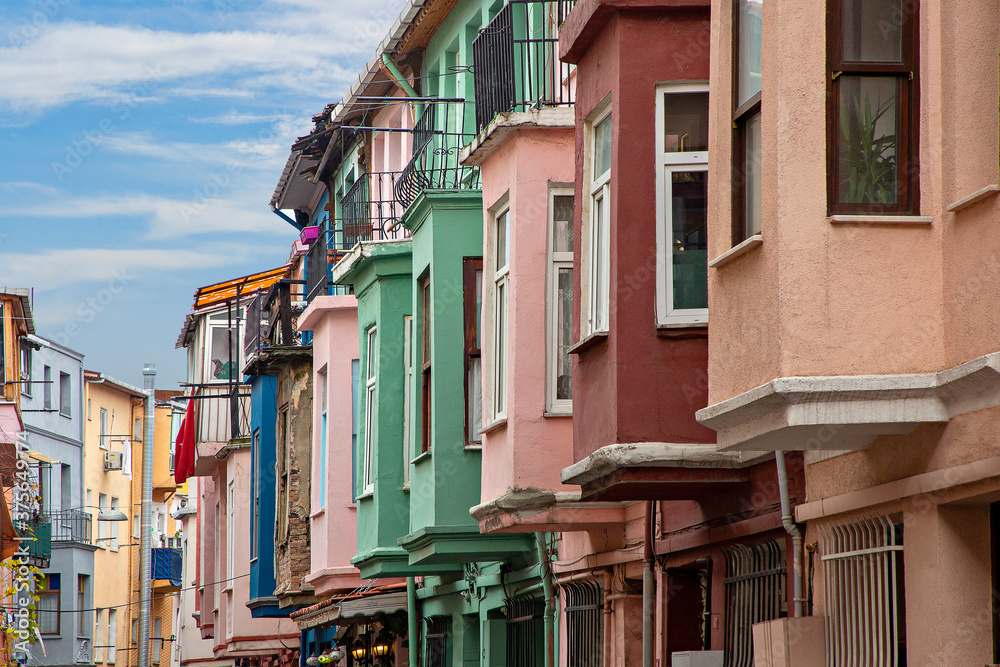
[(8, 536), (10, 423), (247, 285), (356, 607), (38, 456)]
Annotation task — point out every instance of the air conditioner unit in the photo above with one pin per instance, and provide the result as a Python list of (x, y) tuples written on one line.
[(113, 460)]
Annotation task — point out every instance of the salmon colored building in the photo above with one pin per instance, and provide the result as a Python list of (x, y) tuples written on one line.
[(853, 242)]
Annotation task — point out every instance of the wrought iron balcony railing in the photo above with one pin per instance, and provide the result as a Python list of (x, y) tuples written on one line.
[(223, 412), (370, 211), (516, 60), (443, 129), (70, 526), (271, 318)]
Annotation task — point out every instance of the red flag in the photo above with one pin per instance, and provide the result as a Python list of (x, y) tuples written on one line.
[(184, 449)]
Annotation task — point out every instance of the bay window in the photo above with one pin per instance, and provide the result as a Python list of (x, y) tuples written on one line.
[(598, 253), (472, 293), (747, 27), (370, 398), (559, 304), (872, 108), (407, 396), (425, 370), (681, 200), (501, 272)]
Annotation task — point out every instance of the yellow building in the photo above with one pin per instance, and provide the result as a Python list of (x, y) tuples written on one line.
[(113, 436)]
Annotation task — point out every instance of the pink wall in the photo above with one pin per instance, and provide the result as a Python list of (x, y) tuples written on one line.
[(334, 323), (532, 449)]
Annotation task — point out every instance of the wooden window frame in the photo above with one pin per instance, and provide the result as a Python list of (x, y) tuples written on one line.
[(56, 593), (906, 73), (471, 327), (425, 366)]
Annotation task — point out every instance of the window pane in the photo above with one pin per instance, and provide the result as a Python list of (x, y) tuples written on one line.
[(475, 399), (479, 308), (224, 364), (750, 13), (752, 173), (501, 348), (602, 146), (689, 191), (873, 30), (685, 122), (866, 144), (562, 223), (564, 334), (503, 240)]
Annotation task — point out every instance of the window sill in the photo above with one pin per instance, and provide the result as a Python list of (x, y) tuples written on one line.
[(367, 495), (682, 331), (737, 250), (63, 414), (864, 219), (588, 342), (556, 413), (974, 198), (423, 456), (320, 512), (478, 447), (494, 426)]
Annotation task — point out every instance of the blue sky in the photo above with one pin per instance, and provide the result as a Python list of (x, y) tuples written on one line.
[(141, 143)]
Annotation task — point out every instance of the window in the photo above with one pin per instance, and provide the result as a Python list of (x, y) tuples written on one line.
[(863, 578), (48, 604), (47, 392), (83, 628), (223, 361), (525, 636), (156, 646), (255, 501), (230, 533), (371, 362), (407, 396), (501, 294), (355, 378), (98, 634), (873, 106), (324, 391), (437, 633), (112, 635), (425, 355), (102, 526), (89, 413), (26, 371), (137, 429), (135, 631), (113, 528), (681, 201), (755, 592), (597, 252), (65, 395), (559, 381), (747, 24), (281, 511), (472, 306), (105, 434), (584, 624)]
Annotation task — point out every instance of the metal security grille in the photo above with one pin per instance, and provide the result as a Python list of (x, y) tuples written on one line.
[(437, 630), (525, 633), (863, 584), (755, 592), (584, 624)]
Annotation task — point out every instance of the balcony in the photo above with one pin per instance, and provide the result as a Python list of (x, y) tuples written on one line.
[(516, 60), (443, 129), (167, 570), (38, 536), (223, 412), (271, 321), (70, 526)]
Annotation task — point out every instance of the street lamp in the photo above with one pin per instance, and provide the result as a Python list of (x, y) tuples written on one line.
[(104, 514)]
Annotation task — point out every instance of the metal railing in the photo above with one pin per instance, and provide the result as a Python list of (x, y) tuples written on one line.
[(438, 138), (318, 267), (252, 339), (584, 624), (863, 580), (525, 638), (223, 412), (370, 211), (38, 536), (271, 318), (755, 592), (70, 526), (167, 564), (516, 60)]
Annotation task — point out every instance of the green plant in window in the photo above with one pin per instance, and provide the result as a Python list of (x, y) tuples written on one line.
[(867, 153)]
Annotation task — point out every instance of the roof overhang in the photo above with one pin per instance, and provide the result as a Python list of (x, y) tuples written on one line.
[(661, 471), (297, 189), (848, 411), (356, 607), (23, 296), (538, 510)]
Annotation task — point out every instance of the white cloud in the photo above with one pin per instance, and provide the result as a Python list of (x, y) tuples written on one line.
[(234, 117)]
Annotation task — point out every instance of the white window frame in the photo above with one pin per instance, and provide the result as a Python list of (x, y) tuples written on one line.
[(26, 361), (596, 251), (230, 534), (500, 349), (324, 445), (112, 635), (556, 261), (407, 397), (666, 165), (371, 375), (113, 527), (218, 321), (105, 435), (102, 526)]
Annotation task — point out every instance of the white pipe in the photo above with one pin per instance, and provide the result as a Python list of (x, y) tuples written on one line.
[(789, 523)]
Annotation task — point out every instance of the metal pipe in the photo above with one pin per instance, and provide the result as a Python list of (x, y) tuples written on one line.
[(411, 621), (278, 212), (545, 572), (648, 588), (146, 505), (607, 617), (401, 81), (788, 521)]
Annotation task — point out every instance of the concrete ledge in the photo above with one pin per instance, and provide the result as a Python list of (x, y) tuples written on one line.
[(538, 510), (321, 305), (737, 250), (871, 219), (849, 411), (974, 198), (506, 124)]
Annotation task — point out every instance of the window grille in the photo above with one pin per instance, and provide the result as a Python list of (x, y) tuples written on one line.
[(525, 632), (755, 592), (584, 624), (863, 583), (437, 631)]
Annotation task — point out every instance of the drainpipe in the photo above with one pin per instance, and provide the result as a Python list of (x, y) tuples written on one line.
[(402, 83), (411, 621), (648, 588), (608, 581), (789, 523), (146, 506), (278, 212), (545, 571)]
